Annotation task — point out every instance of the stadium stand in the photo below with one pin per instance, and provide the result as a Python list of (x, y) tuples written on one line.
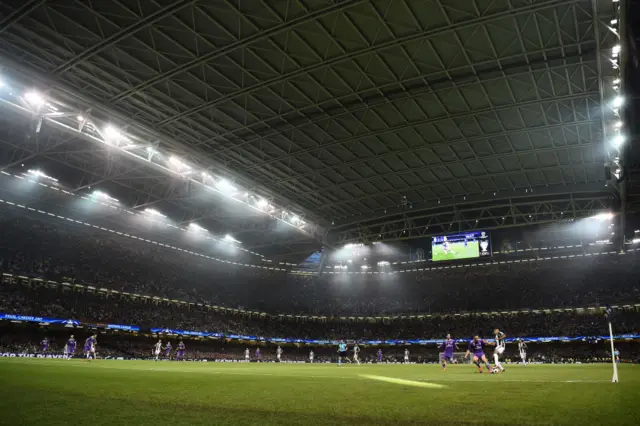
[(58, 271)]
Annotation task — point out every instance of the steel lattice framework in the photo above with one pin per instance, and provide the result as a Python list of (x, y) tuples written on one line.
[(362, 116)]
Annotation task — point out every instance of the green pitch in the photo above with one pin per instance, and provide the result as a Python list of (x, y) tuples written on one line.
[(456, 251), (59, 392)]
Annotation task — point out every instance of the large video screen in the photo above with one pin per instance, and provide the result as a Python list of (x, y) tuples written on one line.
[(460, 246)]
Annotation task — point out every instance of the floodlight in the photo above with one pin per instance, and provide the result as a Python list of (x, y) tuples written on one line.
[(80, 118), (616, 49), (196, 227), (104, 196), (603, 216), (34, 98), (364, 267), (618, 140), (178, 163), (153, 212), (262, 203), (231, 239), (617, 102), (111, 134), (39, 174), (225, 186)]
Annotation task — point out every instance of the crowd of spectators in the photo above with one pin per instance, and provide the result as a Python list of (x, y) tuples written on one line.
[(64, 252), (68, 253), (95, 307)]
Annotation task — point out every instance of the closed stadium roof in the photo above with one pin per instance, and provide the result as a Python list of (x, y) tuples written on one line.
[(353, 119)]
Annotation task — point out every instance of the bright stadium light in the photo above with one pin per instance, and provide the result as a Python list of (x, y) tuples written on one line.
[(262, 203), (178, 162), (225, 186), (617, 124), (34, 99), (603, 216), (615, 50), (231, 239), (104, 196), (197, 228), (153, 212), (617, 102), (364, 267), (618, 140), (39, 174), (112, 134), (80, 118)]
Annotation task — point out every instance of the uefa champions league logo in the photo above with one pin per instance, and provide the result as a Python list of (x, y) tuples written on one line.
[(484, 245)]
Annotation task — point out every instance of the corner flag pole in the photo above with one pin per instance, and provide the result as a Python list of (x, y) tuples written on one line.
[(613, 357)]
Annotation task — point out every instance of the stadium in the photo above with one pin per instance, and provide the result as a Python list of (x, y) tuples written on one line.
[(380, 212)]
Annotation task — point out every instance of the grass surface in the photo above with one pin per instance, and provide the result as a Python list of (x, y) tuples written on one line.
[(108, 392), (457, 251)]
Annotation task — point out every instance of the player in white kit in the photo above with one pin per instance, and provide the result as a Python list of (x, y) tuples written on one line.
[(500, 346), (279, 354), (157, 348), (247, 355), (356, 354), (406, 356), (522, 348), (311, 357)]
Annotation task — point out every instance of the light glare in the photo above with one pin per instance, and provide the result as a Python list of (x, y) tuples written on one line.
[(229, 238), (153, 212), (603, 216), (34, 98), (617, 102), (262, 203), (196, 227), (111, 134), (39, 174), (618, 140), (225, 186), (104, 196)]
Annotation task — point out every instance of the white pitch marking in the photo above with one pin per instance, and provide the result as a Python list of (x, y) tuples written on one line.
[(404, 382)]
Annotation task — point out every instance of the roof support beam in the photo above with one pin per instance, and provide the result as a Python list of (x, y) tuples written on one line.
[(18, 14), (372, 49), (122, 34), (237, 45)]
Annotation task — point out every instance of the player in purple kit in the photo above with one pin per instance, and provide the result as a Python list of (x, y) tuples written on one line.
[(44, 344), (476, 346), (70, 347), (90, 346), (448, 346), (379, 355), (257, 354), (167, 351), (180, 351)]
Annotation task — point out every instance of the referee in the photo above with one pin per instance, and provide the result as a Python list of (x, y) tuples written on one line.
[(342, 352)]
